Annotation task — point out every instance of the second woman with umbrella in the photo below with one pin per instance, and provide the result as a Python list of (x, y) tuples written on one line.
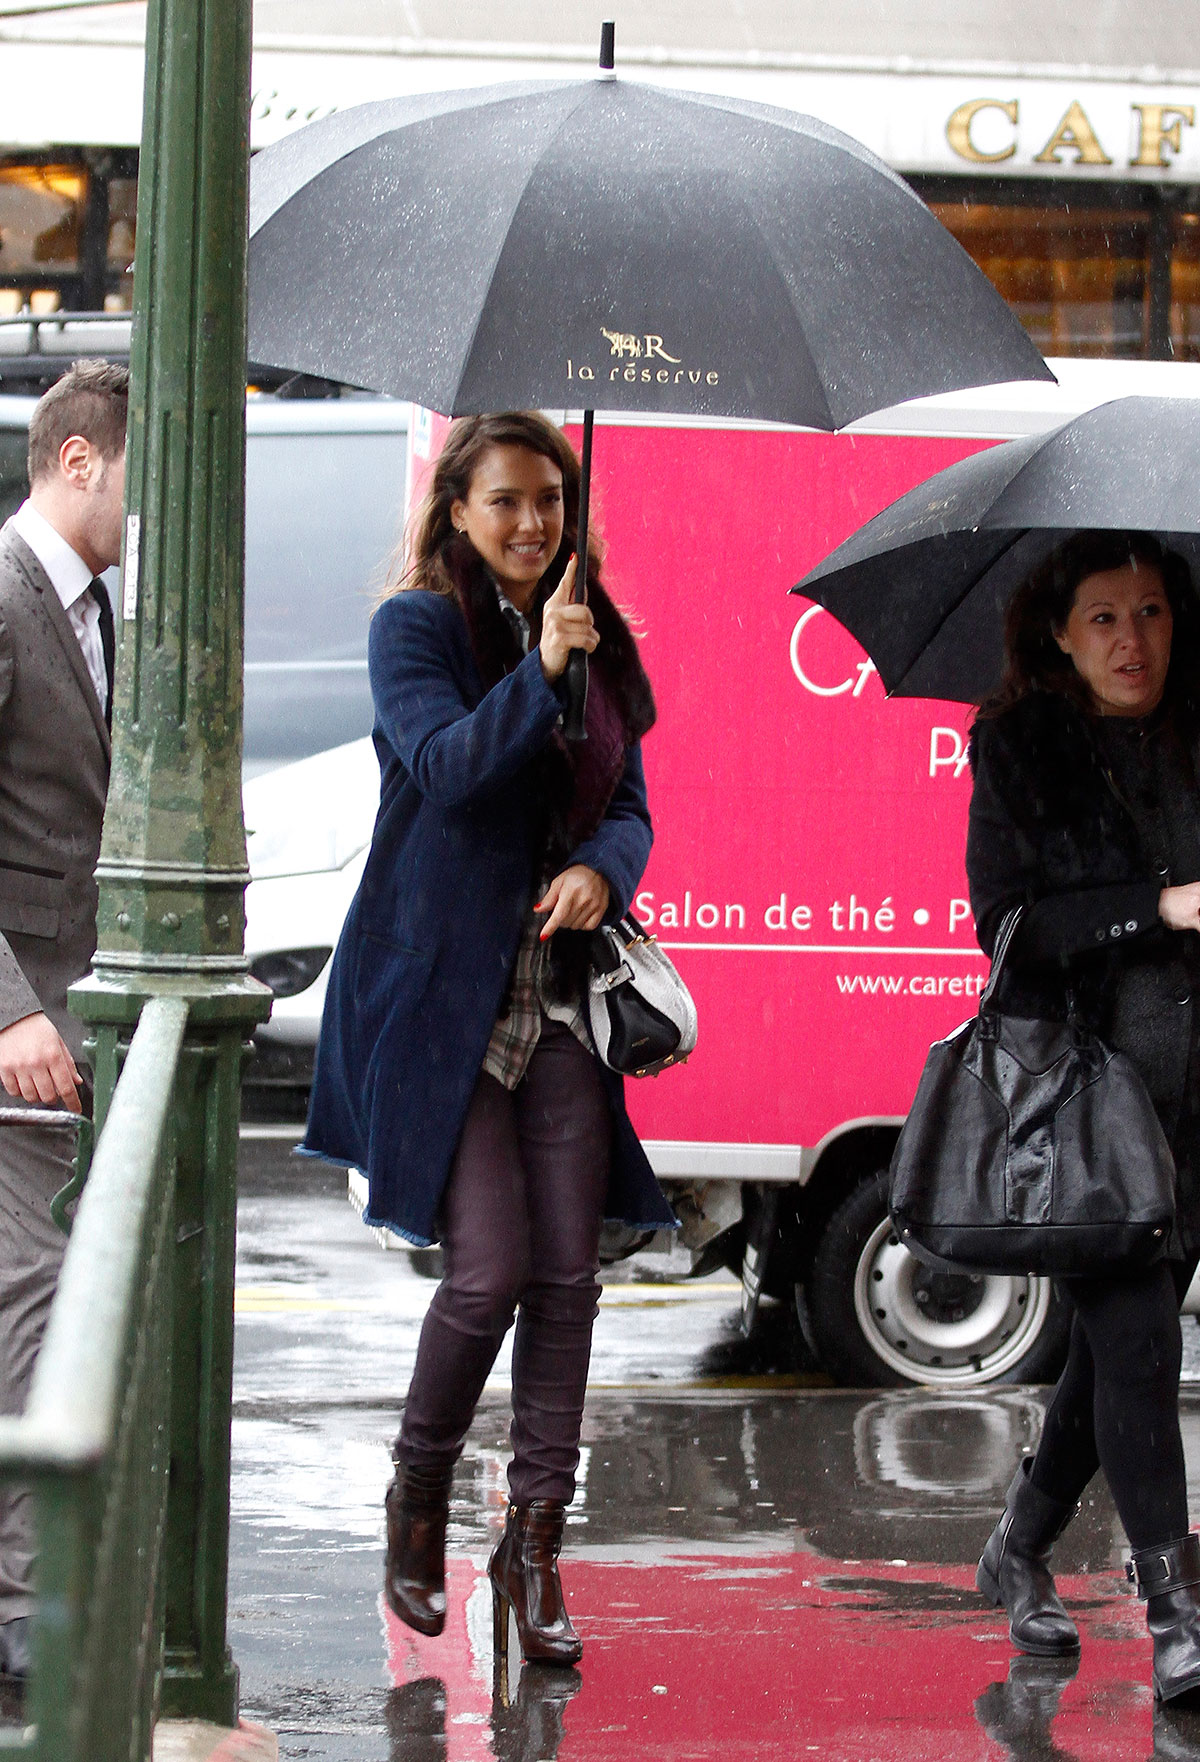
[(1086, 812), (455, 1063)]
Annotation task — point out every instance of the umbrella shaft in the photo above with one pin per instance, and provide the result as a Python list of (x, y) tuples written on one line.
[(585, 497), (577, 669)]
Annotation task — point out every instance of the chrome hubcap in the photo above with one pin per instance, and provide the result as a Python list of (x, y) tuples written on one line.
[(935, 1327)]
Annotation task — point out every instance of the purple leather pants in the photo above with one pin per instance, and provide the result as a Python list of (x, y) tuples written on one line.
[(521, 1227)]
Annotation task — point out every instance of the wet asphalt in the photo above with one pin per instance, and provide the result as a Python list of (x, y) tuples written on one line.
[(760, 1565)]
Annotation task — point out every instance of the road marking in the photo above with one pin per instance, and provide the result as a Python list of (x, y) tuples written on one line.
[(249, 1304), (639, 1296), (294, 1300)]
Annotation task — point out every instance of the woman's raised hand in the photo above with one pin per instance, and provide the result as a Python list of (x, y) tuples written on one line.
[(1179, 907), (576, 899), (565, 626)]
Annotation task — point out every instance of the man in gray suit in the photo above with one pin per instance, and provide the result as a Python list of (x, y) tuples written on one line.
[(56, 657)]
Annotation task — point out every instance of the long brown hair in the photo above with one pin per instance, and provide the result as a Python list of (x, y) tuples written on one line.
[(444, 561), (1042, 604), (432, 547)]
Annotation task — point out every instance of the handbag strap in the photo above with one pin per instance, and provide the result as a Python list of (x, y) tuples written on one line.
[(609, 944), (1004, 936)]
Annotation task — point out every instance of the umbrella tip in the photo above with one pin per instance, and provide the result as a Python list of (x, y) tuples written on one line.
[(608, 46)]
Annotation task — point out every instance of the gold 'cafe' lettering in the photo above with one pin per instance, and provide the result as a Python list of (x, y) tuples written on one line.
[(637, 362), (1160, 128)]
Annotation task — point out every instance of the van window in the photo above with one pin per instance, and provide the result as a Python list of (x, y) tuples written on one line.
[(322, 519)]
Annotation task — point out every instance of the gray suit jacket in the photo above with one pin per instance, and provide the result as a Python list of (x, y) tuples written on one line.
[(54, 763)]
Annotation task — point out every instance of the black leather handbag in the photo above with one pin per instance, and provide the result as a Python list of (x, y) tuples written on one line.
[(1031, 1147)]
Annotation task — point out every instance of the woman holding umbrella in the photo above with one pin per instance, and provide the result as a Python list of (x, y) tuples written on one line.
[(1086, 811), (455, 1064)]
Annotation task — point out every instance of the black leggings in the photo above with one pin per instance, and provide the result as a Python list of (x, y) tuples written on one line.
[(1116, 1405)]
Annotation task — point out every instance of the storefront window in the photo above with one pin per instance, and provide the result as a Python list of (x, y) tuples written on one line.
[(1077, 277), (1185, 288), (41, 209), (122, 222), (68, 224)]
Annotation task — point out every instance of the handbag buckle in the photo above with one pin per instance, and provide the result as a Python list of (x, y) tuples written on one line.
[(621, 974)]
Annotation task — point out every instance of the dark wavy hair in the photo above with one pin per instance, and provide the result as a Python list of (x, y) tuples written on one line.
[(1041, 605)]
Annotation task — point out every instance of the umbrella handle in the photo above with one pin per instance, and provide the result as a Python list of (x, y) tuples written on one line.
[(574, 716), (577, 689)]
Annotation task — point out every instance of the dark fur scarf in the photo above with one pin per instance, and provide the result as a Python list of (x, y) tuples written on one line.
[(1047, 766), (575, 783)]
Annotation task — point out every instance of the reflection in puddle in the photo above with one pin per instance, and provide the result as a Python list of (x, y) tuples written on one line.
[(884, 1596), (524, 1727), (415, 1719), (1176, 1736), (529, 1727), (962, 1445), (1019, 1713)]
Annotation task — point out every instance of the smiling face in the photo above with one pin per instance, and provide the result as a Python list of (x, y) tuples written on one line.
[(1118, 634), (513, 515)]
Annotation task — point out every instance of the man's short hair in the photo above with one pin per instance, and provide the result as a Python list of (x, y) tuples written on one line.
[(91, 399)]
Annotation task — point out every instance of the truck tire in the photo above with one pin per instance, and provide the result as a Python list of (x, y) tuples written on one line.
[(879, 1318)]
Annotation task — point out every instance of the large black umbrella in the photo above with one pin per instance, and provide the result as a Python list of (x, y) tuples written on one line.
[(608, 245), (923, 586), (605, 245)]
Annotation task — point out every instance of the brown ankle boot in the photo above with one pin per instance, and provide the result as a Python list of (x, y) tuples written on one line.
[(414, 1577), (524, 1574)]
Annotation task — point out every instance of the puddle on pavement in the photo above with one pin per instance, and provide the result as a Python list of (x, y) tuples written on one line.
[(682, 1662), (755, 1575)]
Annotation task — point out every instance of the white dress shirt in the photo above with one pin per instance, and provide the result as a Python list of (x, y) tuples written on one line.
[(70, 578)]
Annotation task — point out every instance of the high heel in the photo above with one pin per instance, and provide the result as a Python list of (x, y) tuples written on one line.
[(523, 1571), (414, 1579), (1015, 1569), (499, 1623)]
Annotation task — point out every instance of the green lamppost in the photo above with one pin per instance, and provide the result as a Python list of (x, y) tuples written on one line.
[(173, 859)]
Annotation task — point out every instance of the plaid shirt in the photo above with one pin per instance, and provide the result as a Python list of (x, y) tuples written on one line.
[(530, 998)]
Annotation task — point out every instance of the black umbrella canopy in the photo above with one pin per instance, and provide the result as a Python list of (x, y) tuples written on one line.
[(616, 246), (924, 586)]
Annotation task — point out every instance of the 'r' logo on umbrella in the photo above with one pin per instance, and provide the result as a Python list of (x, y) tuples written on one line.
[(626, 344)]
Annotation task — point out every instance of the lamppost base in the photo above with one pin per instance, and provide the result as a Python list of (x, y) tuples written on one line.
[(200, 1679)]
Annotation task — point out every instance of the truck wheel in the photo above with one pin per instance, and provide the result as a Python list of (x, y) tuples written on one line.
[(879, 1317)]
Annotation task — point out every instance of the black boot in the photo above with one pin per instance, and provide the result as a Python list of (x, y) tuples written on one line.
[(414, 1578), (1168, 1580), (1015, 1569)]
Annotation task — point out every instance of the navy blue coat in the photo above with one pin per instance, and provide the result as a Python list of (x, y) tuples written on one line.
[(428, 945)]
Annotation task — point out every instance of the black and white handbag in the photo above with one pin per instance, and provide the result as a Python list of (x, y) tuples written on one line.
[(640, 1012)]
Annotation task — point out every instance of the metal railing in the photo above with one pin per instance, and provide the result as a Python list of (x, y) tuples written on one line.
[(94, 1440)]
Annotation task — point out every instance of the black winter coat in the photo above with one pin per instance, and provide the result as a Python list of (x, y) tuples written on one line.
[(1050, 829)]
